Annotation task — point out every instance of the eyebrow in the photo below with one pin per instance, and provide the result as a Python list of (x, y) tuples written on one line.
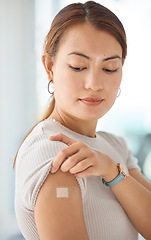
[(105, 59), (112, 57), (79, 54)]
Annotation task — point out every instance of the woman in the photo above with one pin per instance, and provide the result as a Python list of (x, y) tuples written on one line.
[(64, 165)]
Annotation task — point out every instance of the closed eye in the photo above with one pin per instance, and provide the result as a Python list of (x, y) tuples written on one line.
[(78, 69), (109, 70)]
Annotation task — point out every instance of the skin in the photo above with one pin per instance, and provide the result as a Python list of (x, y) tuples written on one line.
[(94, 79), (98, 76)]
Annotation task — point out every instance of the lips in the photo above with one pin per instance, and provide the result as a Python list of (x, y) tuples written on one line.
[(91, 101)]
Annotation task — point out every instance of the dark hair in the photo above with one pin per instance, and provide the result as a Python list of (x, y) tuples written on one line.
[(77, 13)]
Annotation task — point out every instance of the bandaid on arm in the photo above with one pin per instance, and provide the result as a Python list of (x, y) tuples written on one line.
[(59, 209), (62, 192), (67, 192)]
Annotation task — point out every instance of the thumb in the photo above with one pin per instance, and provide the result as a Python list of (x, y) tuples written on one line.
[(62, 138)]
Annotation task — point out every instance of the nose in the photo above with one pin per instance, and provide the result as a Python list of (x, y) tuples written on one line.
[(94, 81)]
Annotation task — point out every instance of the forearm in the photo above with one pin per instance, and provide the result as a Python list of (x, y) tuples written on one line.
[(133, 193), (136, 201)]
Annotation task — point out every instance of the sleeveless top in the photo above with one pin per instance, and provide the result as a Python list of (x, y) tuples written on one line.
[(104, 216)]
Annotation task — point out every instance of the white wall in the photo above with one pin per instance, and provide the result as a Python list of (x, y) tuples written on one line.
[(18, 104)]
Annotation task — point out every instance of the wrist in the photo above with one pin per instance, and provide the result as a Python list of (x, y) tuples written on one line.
[(122, 173), (111, 172)]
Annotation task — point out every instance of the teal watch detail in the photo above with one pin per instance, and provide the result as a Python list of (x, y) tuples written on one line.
[(123, 173)]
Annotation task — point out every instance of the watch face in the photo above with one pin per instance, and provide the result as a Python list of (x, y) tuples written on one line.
[(124, 169)]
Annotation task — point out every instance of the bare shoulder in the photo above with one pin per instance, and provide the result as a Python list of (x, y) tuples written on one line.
[(58, 209)]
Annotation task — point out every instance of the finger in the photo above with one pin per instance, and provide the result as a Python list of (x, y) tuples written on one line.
[(62, 138), (80, 167), (72, 161), (76, 153), (86, 173), (63, 155)]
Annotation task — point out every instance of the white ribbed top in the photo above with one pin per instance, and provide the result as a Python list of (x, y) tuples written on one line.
[(105, 218)]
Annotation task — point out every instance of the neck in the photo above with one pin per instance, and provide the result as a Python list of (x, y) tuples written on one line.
[(84, 127)]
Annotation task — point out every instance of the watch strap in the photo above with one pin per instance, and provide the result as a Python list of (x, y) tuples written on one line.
[(114, 181)]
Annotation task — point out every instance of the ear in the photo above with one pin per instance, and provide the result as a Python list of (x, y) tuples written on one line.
[(48, 63), (123, 60)]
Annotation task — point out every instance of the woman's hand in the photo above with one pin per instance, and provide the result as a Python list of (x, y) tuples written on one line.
[(79, 159)]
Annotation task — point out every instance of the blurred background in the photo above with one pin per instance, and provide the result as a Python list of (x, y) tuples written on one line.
[(23, 86)]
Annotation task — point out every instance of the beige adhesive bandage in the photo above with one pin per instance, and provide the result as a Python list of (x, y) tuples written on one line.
[(67, 192), (62, 192)]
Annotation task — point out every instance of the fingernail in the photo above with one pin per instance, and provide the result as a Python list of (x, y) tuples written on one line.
[(53, 170)]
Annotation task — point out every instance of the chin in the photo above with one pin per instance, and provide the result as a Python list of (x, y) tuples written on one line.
[(90, 116)]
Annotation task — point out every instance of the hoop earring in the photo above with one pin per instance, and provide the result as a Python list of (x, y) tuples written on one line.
[(49, 86), (119, 92)]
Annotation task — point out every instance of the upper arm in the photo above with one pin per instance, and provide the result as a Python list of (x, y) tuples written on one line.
[(60, 218), (140, 178)]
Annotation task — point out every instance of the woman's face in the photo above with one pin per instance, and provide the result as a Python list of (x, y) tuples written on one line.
[(87, 72)]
